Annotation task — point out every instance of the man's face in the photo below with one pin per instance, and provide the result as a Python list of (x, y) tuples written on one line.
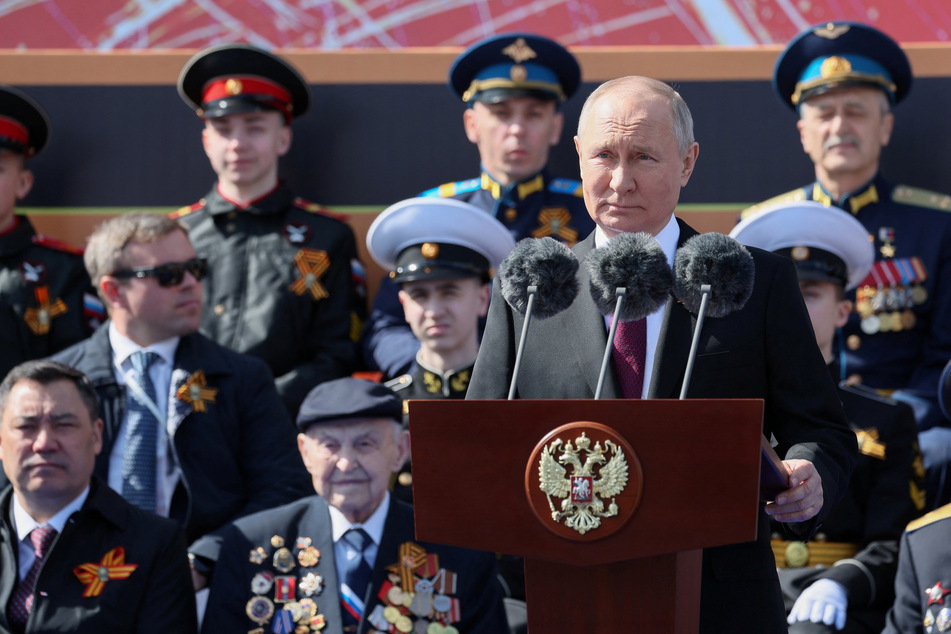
[(843, 131), (631, 167), (48, 443), (513, 136), (244, 147), (15, 183), (444, 314), (145, 311), (351, 462), (827, 310)]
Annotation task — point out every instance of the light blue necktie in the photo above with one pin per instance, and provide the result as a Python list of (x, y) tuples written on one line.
[(138, 471)]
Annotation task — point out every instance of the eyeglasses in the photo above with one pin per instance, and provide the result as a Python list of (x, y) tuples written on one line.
[(170, 274)]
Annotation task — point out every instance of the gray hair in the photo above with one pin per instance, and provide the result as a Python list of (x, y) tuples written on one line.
[(635, 86), (105, 252)]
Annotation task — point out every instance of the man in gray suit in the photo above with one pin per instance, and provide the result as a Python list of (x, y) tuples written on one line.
[(636, 149)]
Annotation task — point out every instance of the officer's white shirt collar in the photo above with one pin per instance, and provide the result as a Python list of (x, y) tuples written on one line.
[(668, 239)]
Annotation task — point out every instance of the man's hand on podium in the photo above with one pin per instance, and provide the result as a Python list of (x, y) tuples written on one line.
[(803, 499)]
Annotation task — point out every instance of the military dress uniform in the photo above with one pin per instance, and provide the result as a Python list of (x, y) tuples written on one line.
[(281, 285), (47, 302), (46, 299), (285, 284), (923, 583), (493, 70)]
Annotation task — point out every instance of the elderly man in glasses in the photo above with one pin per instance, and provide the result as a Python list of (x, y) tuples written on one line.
[(191, 429)]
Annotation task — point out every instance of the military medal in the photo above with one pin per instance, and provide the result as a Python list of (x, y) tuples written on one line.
[(887, 235), (908, 319), (262, 582), (944, 620), (283, 559), (196, 393), (257, 556), (311, 584), (797, 555), (285, 589), (259, 609), (308, 557), (277, 541), (302, 542), (38, 319), (936, 594)]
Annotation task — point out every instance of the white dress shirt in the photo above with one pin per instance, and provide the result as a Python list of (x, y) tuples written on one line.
[(25, 525)]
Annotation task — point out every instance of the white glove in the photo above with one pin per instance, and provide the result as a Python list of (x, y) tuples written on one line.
[(824, 601)]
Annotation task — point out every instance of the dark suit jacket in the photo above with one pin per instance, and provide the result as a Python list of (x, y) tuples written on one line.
[(766, 350), (237, 457), (156, 597), (478, 591)]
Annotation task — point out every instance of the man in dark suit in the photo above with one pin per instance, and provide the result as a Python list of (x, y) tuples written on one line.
[(75, 556), (636, 148), (197, 432), (844, 582), (345, 560)]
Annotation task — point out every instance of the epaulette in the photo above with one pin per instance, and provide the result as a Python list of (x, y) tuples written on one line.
[(867, 392), (921, 198), (314, 208), (929, 518), (57, 245), (789, 197), (184, 211), (566, 186), (448, 190), (400, 383)]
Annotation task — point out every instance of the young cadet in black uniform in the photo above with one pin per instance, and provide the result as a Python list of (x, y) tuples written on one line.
[(843, 580), (513, 86), (843, 79), (281, 284), (46, 299)]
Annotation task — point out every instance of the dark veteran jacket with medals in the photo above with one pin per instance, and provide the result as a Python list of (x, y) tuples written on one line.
[(44, 291), (281, 286), (305, 525), (898, 337), (537, 207), (156, 597), (765, 350), (229, 433), (923, 583), (886, 492)]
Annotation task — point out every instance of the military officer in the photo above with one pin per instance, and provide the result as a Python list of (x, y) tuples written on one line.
[(923, 583), (282, 283), (442, 254), (843, 79), (46, 299), (843, 580), (513, 86)]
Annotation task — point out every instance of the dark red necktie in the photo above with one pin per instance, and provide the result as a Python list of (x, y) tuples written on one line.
[(21, 603), (630, 348)]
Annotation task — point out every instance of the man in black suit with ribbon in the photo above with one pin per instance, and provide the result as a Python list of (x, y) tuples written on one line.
[(636, 149), (75, 556)]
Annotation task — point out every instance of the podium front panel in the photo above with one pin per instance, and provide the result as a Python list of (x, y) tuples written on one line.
[(700, 463)]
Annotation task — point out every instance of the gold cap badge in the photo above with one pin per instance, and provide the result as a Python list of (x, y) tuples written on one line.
[(429, 250), (519, 51)]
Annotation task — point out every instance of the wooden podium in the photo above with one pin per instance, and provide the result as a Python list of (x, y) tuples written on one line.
[(692, 482)]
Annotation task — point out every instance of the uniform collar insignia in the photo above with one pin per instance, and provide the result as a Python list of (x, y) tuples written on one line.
[(521, 190)]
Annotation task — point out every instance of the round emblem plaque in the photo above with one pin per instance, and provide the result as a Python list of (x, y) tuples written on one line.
[(583, 481)]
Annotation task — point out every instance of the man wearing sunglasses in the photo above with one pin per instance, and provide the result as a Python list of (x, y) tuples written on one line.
[(282, 284), (191, 430)]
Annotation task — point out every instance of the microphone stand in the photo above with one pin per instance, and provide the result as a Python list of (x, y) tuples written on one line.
[(532, 291), (705, 291), (621, 294)]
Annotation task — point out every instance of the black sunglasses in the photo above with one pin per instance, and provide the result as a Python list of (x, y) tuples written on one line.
[(170, 274)]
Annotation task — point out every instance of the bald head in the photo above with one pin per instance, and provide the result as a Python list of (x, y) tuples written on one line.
[(637, 88)]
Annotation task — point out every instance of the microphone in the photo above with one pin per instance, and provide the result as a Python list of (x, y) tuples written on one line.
[(537, 277), (630, 277), (713, 275)]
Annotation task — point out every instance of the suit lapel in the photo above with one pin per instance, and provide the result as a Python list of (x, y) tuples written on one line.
[(673, 344), (584, 328)]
